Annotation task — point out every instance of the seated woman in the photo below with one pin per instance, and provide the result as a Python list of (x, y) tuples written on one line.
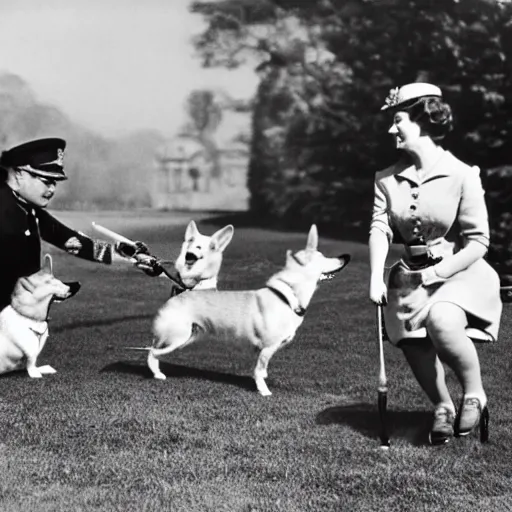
[(442, 292)]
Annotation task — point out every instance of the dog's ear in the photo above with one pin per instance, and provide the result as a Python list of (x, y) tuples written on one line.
[(191, 231), (312, 242), (27, 284), (221, 238), (47, 264)]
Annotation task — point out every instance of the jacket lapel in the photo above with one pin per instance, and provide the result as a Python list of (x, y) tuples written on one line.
[(409, 174)]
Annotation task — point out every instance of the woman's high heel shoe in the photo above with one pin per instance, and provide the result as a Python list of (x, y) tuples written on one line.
[(471, 415), (442, 428)]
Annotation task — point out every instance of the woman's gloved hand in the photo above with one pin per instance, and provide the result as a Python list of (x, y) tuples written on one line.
[(429, 276)]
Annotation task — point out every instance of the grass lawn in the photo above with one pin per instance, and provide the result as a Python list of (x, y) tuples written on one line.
[(101, 435)]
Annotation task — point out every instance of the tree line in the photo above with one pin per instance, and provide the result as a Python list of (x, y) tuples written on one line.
[(325, 67)]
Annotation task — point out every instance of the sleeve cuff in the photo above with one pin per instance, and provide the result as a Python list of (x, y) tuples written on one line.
[(102, 252), (480, 239)]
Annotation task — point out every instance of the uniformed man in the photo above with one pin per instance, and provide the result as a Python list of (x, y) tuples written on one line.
[(34, 170)]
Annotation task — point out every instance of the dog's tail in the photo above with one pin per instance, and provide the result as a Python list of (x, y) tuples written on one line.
[(157, 352)]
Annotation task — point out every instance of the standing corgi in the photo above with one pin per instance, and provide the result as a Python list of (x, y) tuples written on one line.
[(265, 319)]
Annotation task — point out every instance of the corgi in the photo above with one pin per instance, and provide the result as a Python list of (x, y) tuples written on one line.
[(265, 319), (24, 323), (200, 258)]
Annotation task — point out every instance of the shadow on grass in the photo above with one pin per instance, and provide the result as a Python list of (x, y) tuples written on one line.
[(99, 322), (180, 371), (410, 425), (19, 374)]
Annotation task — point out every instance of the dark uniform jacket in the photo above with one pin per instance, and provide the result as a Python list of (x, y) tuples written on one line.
[(21, 229)]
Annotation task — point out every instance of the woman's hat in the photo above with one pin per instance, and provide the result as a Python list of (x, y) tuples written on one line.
[(410, 92), (42, 157)]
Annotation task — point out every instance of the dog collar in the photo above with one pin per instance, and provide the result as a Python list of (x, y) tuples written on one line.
[(38, 326), (206, 284), (285, 292), (39, 334)]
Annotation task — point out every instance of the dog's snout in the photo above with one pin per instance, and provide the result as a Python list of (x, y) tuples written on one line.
[(190, 257), (74, 287)]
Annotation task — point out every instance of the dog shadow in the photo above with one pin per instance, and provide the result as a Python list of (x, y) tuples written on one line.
[(176, 371), (412, 426), (86, 324), (19, 374)]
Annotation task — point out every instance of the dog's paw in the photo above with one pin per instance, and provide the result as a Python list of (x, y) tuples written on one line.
[(262, 388), (47, 369), (159, 376), (34, 373)]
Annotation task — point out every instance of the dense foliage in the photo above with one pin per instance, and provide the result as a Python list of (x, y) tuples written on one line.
[(326, 66), (499, 195)]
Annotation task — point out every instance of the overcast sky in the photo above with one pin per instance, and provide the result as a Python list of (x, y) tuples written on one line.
[(113, 65)]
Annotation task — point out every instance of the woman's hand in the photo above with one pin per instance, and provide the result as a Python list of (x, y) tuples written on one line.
[(431, 276), (378, 291)]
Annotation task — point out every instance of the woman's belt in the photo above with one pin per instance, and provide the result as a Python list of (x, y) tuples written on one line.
[(419, 257)]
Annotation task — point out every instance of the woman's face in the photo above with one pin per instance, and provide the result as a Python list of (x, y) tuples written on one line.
[(407, 133)]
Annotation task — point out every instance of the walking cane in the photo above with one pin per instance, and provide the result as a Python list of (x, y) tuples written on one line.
[(383, 384)]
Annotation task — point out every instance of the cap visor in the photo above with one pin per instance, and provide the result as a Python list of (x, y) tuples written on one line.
[(53, 175)]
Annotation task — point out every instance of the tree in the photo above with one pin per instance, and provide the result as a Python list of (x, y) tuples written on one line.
[(329, 64)]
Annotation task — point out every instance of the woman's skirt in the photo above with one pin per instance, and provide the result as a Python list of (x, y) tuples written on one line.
[(476, 290)]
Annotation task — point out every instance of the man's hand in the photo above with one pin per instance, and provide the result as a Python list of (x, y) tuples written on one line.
[(148, 264), (127, 250), (138, 252)]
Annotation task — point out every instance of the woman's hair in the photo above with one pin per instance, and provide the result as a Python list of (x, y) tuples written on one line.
[(432, 114)]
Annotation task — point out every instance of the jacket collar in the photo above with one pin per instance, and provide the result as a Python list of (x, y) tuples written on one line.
[(409, 173)]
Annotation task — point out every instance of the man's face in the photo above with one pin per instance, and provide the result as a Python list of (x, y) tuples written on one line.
[(35, 189)]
